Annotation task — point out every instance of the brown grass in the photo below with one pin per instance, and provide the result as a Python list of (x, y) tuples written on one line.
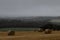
[(30, 35)]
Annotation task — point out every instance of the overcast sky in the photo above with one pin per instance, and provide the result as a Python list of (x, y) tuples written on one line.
[(16, 8)]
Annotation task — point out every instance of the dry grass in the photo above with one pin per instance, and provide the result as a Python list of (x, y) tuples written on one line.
[(30, 35)]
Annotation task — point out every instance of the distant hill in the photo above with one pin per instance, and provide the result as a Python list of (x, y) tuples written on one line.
[(25, 22)]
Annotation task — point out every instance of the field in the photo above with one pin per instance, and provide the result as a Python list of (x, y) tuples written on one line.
[(30, 35)]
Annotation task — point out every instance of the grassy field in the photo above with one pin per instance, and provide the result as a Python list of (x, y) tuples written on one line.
[(30, 35)]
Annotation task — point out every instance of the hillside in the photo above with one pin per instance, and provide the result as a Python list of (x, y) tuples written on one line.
[(25, 22)]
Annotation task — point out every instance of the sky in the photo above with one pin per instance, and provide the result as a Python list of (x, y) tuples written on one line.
[(18, 8)]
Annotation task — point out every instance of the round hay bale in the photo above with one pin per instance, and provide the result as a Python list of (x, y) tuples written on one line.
[(48, 31), (35, 30), (11, 33), (40, 30)]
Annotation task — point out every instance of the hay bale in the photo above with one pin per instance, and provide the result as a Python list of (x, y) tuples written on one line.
[(11, 33), (35, 30), (48, 31), (40, 30)]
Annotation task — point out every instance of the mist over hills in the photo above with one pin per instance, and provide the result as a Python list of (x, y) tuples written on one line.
[(31, 17)]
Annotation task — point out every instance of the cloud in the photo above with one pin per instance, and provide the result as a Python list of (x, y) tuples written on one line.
[(15, 8)]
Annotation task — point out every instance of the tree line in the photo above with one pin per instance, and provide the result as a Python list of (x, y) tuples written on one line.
[(27, 24)]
